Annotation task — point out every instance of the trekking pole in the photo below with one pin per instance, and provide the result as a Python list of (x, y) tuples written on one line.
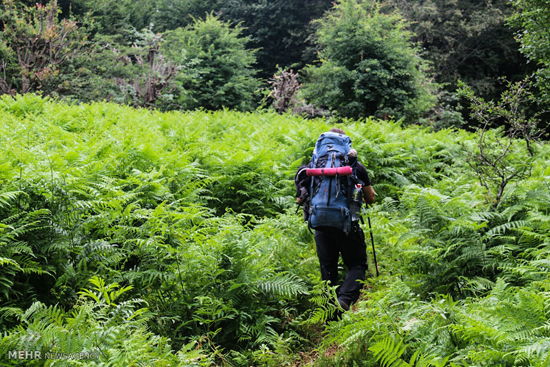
[(373, 249)]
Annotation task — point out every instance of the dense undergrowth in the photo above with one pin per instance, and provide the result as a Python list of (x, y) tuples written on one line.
[(151, 238)]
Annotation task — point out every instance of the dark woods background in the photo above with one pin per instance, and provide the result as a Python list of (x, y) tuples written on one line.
[(187, 54)]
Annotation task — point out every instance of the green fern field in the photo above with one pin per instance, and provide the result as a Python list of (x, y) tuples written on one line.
[(138, 238)]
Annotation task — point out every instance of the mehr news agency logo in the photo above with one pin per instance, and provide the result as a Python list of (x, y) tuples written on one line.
[(36, 354)]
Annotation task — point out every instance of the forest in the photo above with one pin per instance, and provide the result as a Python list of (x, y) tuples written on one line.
[(147, 205)]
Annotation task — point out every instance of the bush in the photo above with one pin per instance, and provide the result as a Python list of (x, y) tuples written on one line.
[(218, 68), (368, 65)]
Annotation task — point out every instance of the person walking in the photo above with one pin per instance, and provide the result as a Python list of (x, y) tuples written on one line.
[(334, 214)]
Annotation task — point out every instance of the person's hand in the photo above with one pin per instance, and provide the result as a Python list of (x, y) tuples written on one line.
[(298, 200), (368, 194)]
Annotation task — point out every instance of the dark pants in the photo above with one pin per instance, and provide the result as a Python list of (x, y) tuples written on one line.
[(330, 243)]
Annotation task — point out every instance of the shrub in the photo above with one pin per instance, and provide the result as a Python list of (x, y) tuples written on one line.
[(218, 69), (368, 66)]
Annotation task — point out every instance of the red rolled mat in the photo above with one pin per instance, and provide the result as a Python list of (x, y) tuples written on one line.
[(343, 171)]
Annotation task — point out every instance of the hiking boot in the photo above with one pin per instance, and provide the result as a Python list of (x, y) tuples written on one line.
[(343, 304)]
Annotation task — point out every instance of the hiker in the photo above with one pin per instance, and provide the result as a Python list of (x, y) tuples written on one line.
[(330, 209)]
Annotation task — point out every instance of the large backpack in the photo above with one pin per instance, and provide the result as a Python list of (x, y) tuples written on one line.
[(335, 201)]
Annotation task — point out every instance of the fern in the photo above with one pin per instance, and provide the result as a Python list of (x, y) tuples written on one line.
[(287, 285), (389, 353), (499, 230), (191, 229)]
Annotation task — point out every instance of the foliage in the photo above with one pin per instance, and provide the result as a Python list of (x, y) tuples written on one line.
[(17, 256), (39, 43), (504, 328), (280, 30), (530, 18), (492, 161), (98, 331), (117, 18), (132, 196), (285, 86), (219, 72), (468, 276), (153, 77), (368, 65), (174, 14), (465, 40), (149, 238), (136, 74), (169, 238), (67, 59), (468, 41)]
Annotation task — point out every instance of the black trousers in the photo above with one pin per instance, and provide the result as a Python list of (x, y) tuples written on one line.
[(330, 243)]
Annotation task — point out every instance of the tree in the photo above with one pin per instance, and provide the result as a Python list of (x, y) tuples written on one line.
[(499, 158), (118, 18), (151, 76), (465, 39), (173, 14), (368, 64), (279, 29), (39, 43), (532, 18), (218, 71), (283, 95)]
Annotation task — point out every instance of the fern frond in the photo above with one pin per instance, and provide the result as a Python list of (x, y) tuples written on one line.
[(6, 198), (389, 353), (503, 228), (283, 284)]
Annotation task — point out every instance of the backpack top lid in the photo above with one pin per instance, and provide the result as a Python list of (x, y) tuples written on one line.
[(331, 142)]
